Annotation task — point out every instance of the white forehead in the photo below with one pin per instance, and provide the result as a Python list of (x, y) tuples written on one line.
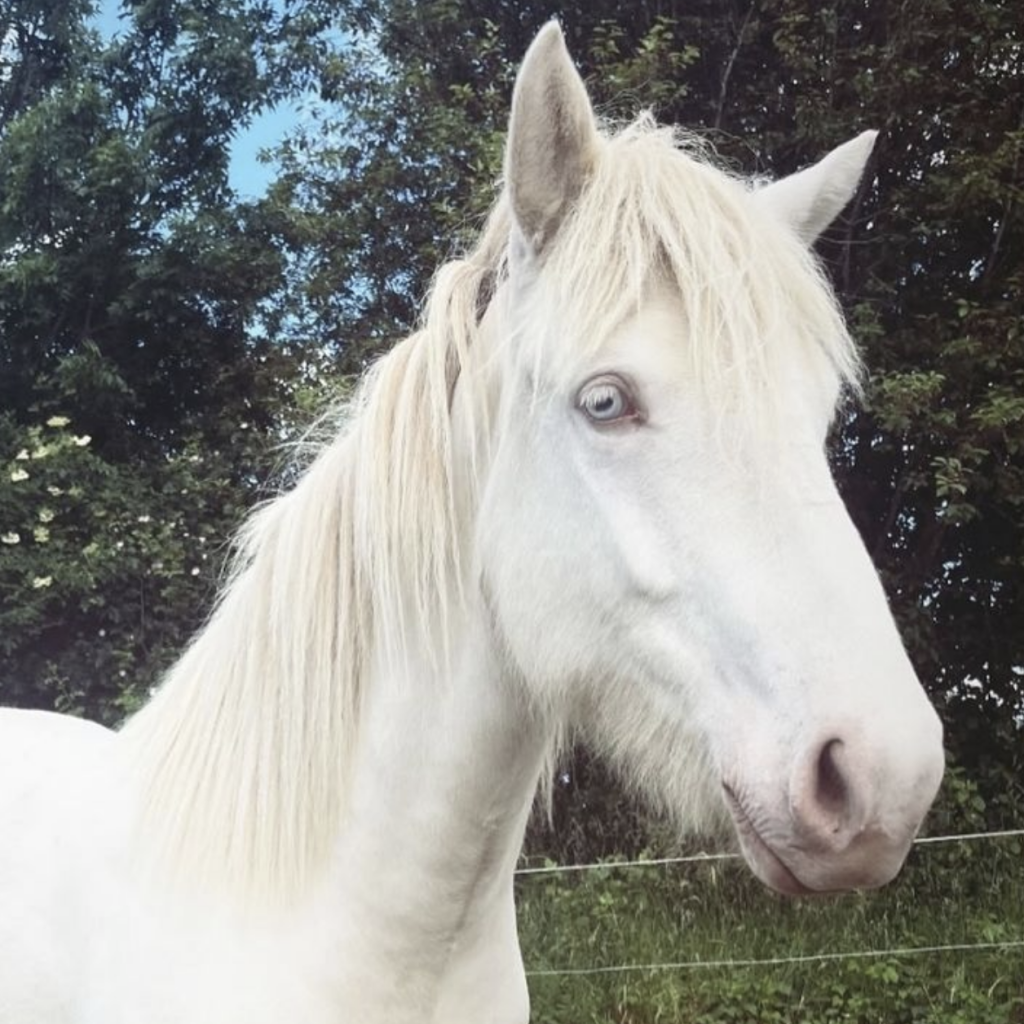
[(700, 259), (764, 385)]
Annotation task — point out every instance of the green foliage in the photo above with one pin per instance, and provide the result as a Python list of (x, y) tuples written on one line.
[(113, 564), (384, 182), (949, 894), (134, 310), (39, 44)]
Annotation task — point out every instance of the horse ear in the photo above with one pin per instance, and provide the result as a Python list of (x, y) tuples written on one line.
[(811, 199), (552, 139)]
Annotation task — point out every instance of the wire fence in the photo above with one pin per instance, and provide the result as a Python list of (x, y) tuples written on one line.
[(703, 858), (691, 965), (777, 961)]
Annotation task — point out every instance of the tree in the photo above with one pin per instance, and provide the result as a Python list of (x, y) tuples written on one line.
[(133, 313)]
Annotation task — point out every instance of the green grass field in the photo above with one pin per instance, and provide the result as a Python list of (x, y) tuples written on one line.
[(955, 894)]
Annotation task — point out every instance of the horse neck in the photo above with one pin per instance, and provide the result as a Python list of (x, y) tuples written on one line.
[(440, 792)]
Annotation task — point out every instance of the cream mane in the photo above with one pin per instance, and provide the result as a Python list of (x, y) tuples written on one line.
[(241, 756), (657, 207)]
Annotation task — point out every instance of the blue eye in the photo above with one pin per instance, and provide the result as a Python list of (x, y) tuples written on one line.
[(606, 400)]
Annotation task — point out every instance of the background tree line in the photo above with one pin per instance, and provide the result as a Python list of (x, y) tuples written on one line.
[(162, 339), (160, 336)]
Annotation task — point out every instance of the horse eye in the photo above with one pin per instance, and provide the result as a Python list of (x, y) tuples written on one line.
[(605, 401)]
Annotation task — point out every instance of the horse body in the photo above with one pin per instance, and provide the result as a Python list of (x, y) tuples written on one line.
[(589, 494), (51, 768), (412, 920)]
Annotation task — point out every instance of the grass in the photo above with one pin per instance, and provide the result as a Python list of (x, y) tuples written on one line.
[(963, 893)]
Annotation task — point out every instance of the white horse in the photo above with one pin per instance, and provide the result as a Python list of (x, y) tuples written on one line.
[(590, 494)]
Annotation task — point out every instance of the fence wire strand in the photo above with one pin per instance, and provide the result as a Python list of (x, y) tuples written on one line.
[(699, 858), (776, 961)]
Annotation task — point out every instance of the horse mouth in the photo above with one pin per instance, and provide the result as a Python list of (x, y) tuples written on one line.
[(765, 863)]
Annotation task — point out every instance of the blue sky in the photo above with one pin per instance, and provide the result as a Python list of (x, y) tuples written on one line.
[(246, 174)]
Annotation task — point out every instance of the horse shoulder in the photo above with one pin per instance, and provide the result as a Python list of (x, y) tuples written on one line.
[(50, 828)]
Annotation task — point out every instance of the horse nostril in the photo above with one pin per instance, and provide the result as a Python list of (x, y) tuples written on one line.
[(831, 792)]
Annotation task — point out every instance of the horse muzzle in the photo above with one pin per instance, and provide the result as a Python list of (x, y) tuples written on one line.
[(847, 817)]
